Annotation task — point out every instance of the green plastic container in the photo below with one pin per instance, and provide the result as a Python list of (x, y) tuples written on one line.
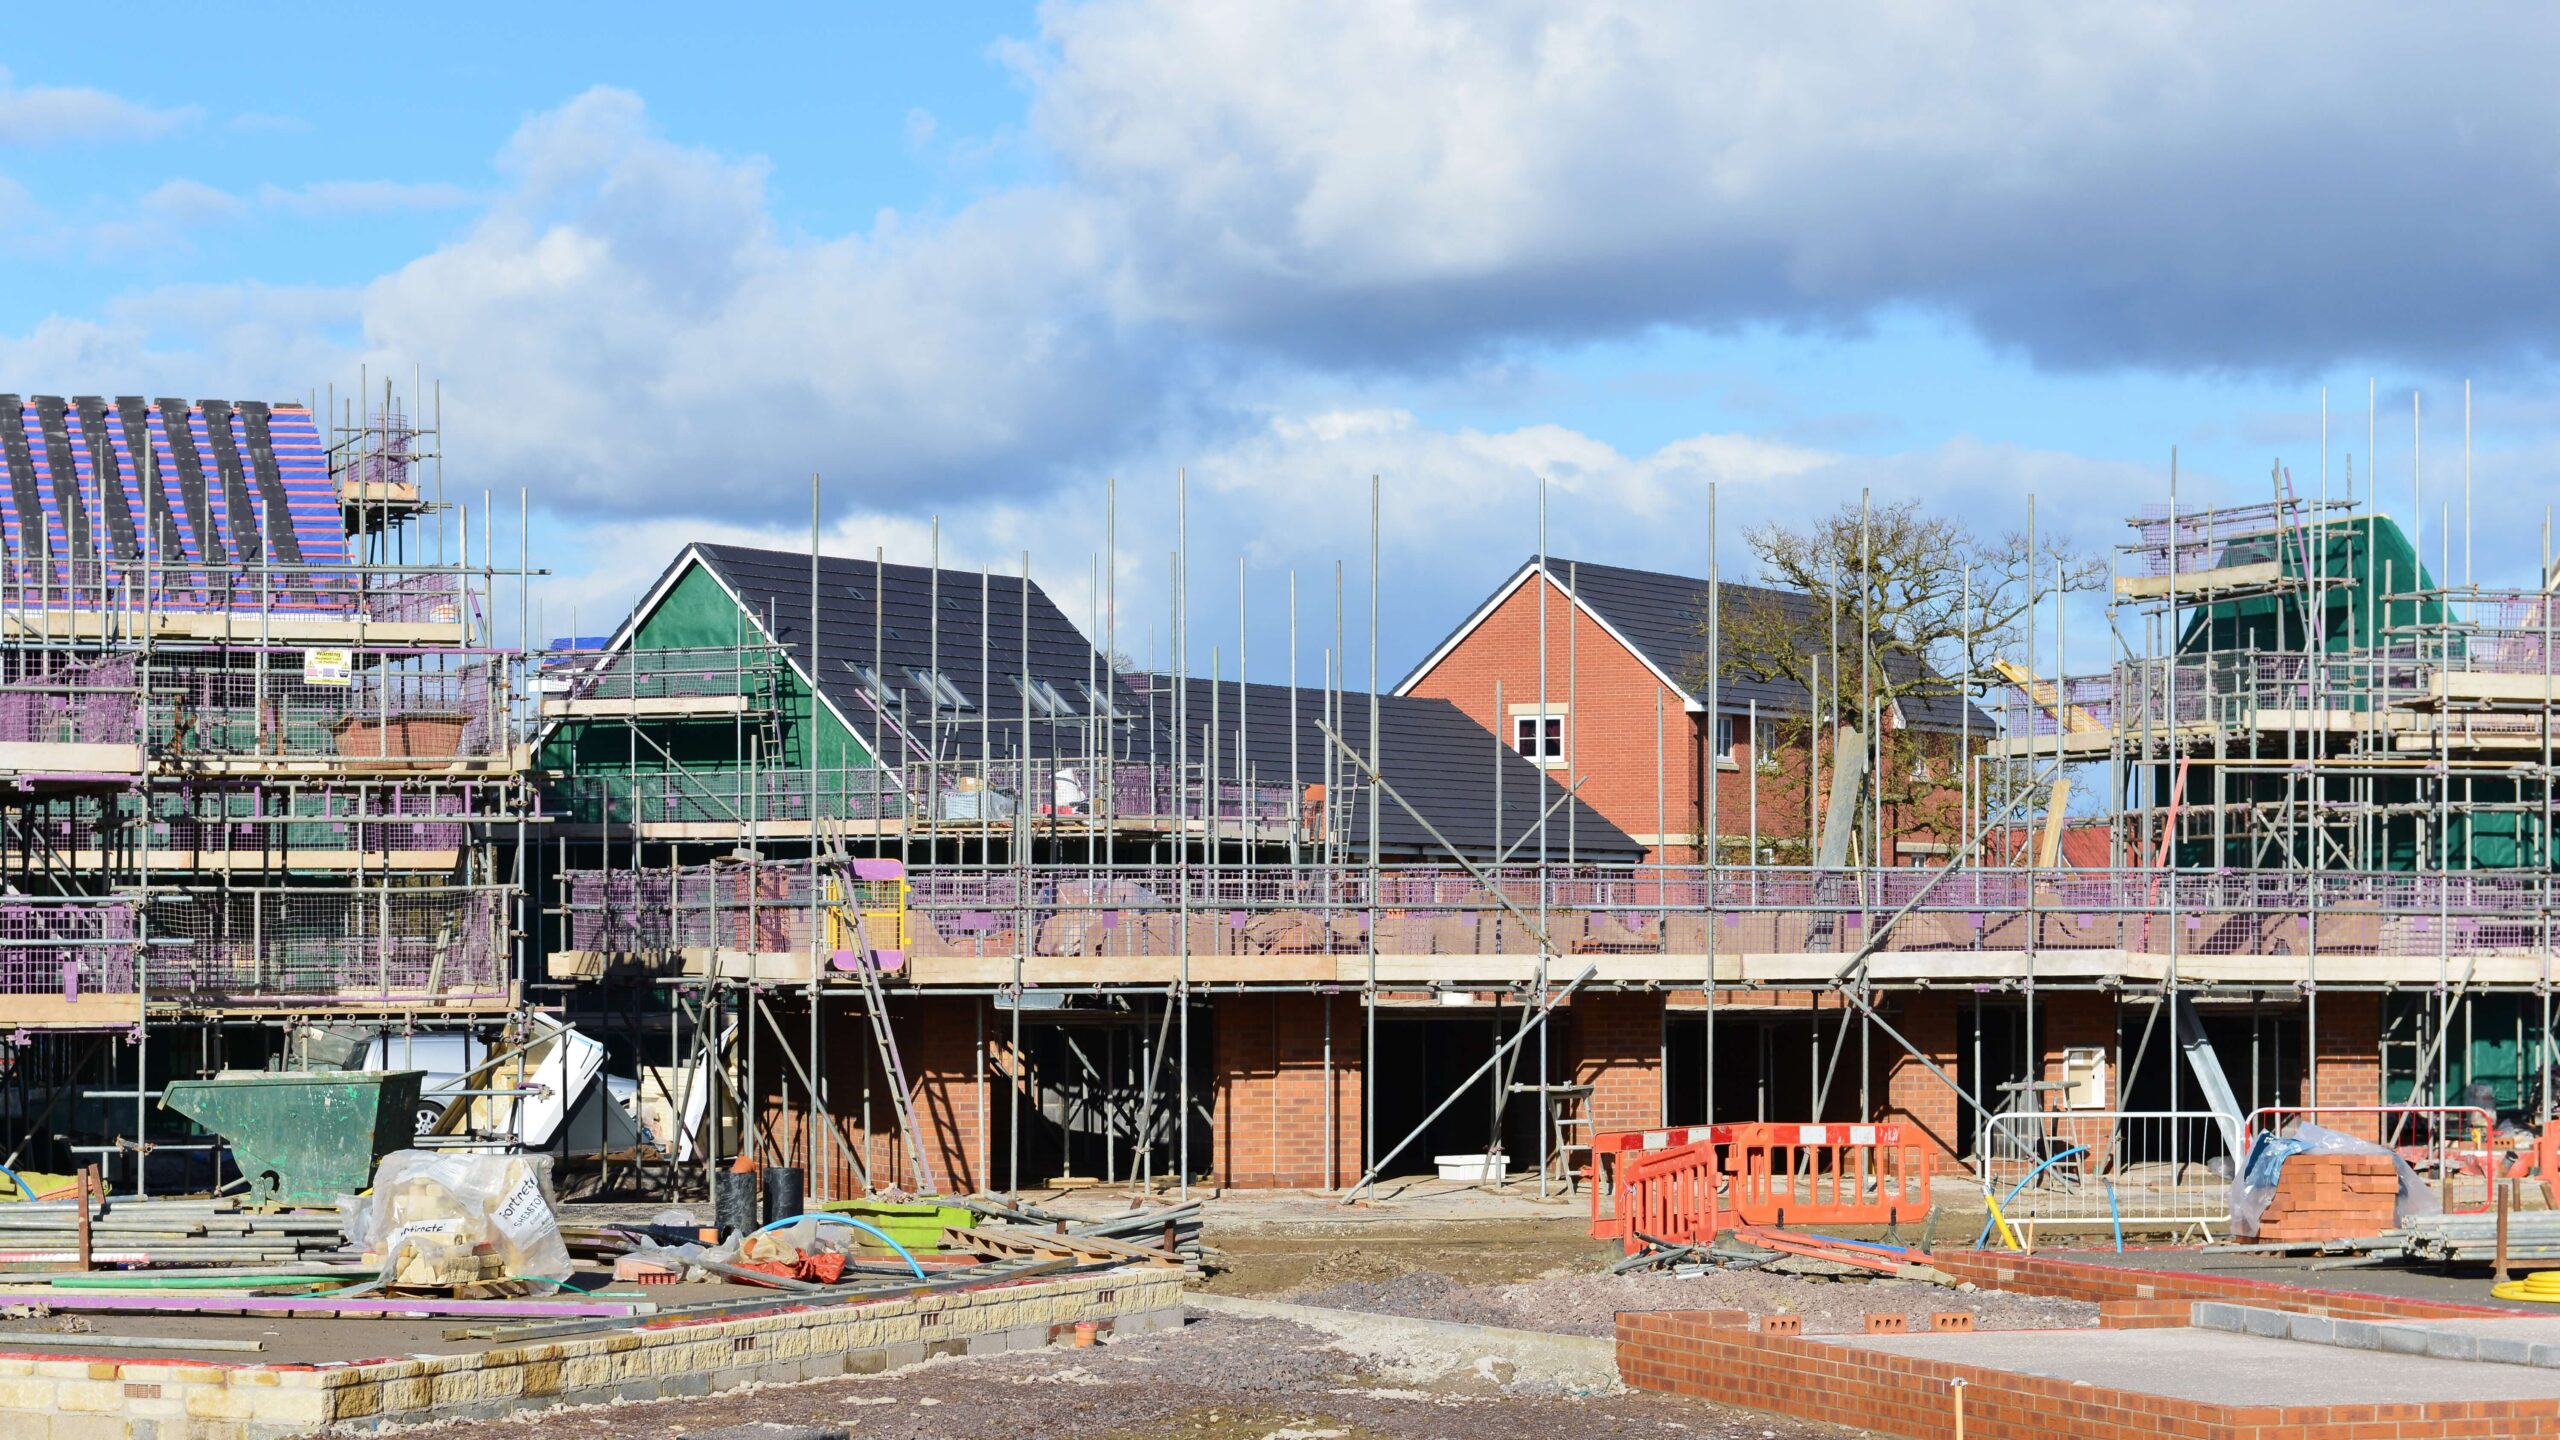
[(304, 1137), (916, 1224)]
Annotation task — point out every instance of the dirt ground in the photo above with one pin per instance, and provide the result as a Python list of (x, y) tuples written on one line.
[(1421, 1250), (1219, 1378), (1546, 1273)]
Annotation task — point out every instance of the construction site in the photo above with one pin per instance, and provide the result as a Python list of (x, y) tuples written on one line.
[(1927, 1015)]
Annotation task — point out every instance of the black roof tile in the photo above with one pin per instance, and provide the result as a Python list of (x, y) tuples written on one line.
[(1442, 762), (1659, 614)]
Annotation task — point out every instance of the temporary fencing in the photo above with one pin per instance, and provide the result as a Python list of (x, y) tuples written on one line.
[(1687, 1184), (2146, 1170)]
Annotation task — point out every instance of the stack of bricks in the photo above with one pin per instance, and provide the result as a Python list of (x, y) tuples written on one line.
[(2331, 1197)]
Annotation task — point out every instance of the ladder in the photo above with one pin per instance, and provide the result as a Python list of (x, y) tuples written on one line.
[(875, 1005)]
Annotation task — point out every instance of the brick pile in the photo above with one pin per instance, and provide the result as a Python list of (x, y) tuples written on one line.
[(2331, 1197)]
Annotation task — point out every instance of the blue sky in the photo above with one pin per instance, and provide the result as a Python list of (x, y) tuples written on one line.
[(969, 262)]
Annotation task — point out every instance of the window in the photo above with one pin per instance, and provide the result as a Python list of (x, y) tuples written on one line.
[(1541, 738), (1733, 730), (946, 696), (881, 692), (1099, 701), (855, 593), (1042, 698)]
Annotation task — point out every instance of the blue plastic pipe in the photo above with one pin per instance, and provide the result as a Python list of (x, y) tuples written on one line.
[(1985, 1237), (2115, 1216), (874, 1230), (23, 1187)]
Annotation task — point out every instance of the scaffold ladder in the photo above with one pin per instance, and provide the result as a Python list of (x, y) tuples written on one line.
[(875, 1004)]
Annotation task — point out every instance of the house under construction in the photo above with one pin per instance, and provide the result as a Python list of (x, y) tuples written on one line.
[(262, 794), (901, 874), (1139, 927)]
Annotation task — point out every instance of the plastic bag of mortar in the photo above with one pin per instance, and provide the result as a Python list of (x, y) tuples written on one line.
[(441, 1220), (2256, 1185)]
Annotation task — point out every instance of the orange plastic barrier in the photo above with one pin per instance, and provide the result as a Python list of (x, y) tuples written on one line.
[(1610, 1151), (1670, 1195), (1687, 1183), (1825, 1175)]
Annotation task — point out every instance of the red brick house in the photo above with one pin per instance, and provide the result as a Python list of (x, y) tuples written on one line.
[(1624, 711)]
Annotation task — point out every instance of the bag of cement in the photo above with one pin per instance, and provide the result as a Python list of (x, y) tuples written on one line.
[(2259, 1172), (444, 1220)]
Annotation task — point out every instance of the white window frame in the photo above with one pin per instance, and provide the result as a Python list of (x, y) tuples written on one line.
[(1525, 741), (1099, 700), (1734, 724)]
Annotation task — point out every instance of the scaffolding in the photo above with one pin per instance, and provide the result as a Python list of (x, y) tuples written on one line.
[(2317, 770), (264, 762)]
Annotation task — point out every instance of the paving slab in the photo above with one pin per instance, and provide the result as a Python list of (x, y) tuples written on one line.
[(2219, 1368), (2523, 1340)]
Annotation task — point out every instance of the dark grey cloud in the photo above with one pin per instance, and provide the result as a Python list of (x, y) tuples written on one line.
[(2165, 185)]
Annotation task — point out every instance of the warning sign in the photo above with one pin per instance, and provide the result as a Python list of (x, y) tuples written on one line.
[(327, 667)]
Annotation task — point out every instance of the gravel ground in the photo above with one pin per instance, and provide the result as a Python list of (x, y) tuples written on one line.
[(1585, 1304), (1216, 1379)]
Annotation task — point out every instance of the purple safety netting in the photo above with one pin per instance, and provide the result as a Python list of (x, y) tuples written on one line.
[(67, 947)]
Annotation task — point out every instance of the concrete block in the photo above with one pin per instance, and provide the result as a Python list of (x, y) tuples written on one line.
[(2273, 1324), (95, 1397), (2401, 1340), (2451, 1345), (2218, 1315), (2355, 1334), (2503, 1349), (906, 1353), (2310, 1329)]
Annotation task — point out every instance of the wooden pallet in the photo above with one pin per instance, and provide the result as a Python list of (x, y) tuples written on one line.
[(1016, 1243)]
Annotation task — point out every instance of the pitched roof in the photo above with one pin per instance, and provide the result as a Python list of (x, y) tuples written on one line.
[(914, 620), (1442, 762), (235, 483), (1658, 616)]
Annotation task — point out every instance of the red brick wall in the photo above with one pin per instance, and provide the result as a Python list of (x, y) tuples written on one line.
[(1617, 1051), (2066, 1018), (1708, 1355), (937, 1043), (2346, 1060), (2105, 1284), (1609, 697), (1912, 1096), (1270, 1090)]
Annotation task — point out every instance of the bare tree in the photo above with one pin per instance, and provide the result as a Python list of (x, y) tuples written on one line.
[(1898, 613)]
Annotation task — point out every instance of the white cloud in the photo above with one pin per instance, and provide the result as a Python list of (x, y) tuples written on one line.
[(1458, 510), (190, 202), (627, 331), (55, 114), (2162, 183), (358, 197), (1259, 205)]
